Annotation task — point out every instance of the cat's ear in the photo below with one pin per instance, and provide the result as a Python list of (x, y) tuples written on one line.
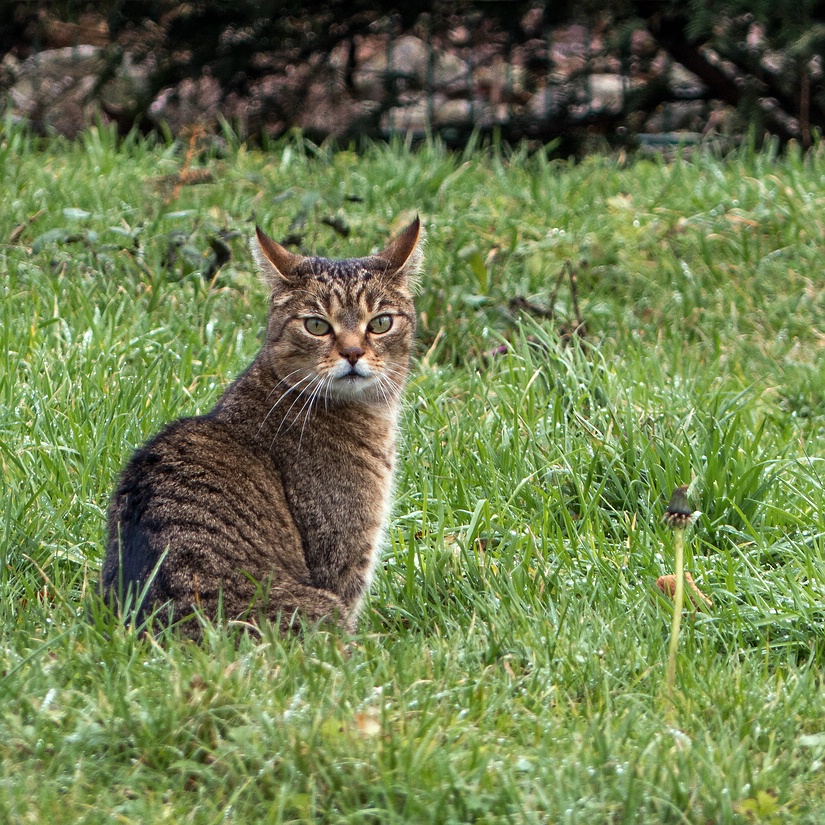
[(276, 264), (405, 254)]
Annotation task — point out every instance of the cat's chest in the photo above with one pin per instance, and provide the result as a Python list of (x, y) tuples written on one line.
[(338, 476)]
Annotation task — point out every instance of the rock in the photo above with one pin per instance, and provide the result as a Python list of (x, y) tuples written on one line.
[(682, 114), (408, 60), (457, 112), (192, 101), (412, 117), (684, 83), (420, 115), (607, 93), (91, 29), (499, 81), (57, 90), (53, 89), (569, 50), (546, 103), (643, 44), (125, 93)]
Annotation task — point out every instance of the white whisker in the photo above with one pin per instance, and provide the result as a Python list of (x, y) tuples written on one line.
[(286, 392), (302, 393), (327, 385), (393, 371), (308, 403), (312, 399), (389, 391), (282, 381), (384, 397)]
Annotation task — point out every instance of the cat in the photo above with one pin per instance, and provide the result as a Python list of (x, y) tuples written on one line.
[(274, 504)]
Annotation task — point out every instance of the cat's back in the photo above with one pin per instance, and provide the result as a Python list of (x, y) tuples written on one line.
[(195, 457), (197, 495)]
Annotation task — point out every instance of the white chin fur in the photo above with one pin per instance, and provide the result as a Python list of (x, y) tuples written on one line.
[(353, 387)]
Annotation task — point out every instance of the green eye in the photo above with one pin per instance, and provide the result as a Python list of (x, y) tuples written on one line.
[(316, 326), (379, 324)]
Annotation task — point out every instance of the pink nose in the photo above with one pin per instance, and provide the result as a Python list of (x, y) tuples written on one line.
[(352, 354)]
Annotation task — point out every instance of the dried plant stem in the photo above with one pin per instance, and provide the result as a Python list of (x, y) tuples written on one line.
[(678, 600)]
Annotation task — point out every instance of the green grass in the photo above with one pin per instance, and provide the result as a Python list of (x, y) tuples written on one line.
[(510, 665)]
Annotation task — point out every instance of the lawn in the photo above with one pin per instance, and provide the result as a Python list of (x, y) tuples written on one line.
[(510, 663)]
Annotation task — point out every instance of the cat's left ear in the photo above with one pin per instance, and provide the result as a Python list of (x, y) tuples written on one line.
[(276, 264), (405, 254)]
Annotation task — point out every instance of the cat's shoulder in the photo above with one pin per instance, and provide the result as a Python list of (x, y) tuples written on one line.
[(183, 441)]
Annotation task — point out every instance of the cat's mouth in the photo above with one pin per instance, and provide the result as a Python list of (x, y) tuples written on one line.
[(354, 372)]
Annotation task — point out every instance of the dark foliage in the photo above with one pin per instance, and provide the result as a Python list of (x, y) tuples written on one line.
[(269, 61), (763, 57)]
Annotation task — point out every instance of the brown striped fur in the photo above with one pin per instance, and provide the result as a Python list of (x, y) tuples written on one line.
[(273, 504)]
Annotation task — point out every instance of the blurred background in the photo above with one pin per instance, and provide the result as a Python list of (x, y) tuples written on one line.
[(636, 72)]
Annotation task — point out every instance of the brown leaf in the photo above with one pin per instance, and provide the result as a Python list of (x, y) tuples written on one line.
[(667, 584), (368, 724)]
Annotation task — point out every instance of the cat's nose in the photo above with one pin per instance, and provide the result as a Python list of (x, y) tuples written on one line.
[(352, 354)]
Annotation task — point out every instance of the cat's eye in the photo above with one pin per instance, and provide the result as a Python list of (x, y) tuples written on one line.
[(379, 324), (316, 326)]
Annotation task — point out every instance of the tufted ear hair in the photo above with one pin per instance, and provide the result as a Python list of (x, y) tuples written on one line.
[(276, 264), (405, 254)]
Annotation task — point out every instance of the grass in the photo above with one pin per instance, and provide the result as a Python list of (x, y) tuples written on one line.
[(510, 664)]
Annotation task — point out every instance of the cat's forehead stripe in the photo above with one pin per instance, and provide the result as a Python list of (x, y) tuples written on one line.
[(345, 303), (330, 272)]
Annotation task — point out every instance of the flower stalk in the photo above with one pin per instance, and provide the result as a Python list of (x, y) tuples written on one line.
[(678, 516)]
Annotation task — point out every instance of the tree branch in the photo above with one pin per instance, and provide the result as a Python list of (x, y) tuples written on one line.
[(670, 31)]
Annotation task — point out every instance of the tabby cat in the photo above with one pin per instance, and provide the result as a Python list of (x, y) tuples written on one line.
[(272, 506)]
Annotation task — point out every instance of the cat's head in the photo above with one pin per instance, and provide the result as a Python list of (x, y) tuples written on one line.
[(342, 330)]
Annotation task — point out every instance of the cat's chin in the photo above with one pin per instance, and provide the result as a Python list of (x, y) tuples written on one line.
[(361, 389), (352, 387)]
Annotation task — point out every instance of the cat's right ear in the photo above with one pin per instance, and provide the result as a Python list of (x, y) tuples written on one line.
[(405, 253), (276, 264)]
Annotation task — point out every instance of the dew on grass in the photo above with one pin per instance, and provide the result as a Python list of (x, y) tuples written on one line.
[(683, 741), (523, 764)]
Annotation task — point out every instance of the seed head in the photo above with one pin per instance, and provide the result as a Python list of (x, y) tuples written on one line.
[(679, 512)]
